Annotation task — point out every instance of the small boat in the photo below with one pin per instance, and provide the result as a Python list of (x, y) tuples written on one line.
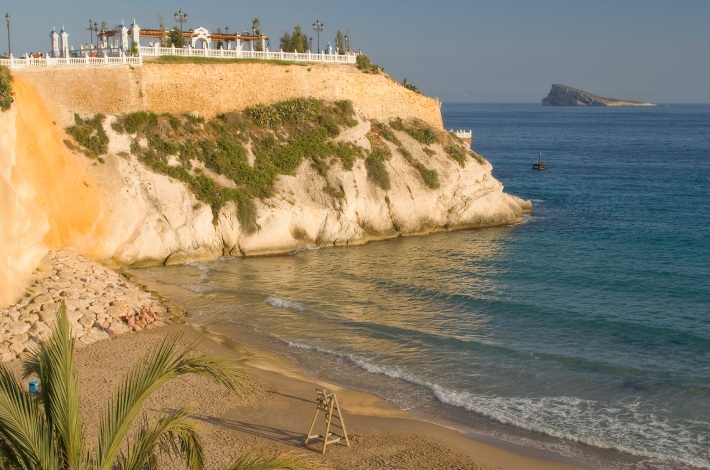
[(540, 165)]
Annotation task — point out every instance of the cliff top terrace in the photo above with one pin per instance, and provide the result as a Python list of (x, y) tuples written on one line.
[(122, 45)]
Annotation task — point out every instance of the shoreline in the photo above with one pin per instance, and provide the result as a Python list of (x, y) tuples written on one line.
[(363, 410), (283, 396)]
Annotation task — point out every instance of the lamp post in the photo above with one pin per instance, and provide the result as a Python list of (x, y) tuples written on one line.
[(181, 17), (347, 44), (96, 32), (91, 32), (310, 43), (318, 27), (9, 48)]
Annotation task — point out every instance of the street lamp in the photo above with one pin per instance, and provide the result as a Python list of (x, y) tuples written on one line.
[(347, 43), (226, 30), (181, 17), (91, 32), (96, 31), (9, 48), (318, 27), (310, 42)]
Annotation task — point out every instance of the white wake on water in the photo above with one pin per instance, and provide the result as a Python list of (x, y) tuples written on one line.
[(282, 303)]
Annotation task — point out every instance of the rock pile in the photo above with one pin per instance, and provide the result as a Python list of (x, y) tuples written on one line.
[(95, 297)]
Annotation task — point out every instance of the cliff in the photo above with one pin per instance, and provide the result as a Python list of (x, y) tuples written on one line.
[(128, 205), (562, 95), (211, 89)]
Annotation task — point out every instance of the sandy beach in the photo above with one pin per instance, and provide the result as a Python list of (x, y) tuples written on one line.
[(277, 412), (280, 400)]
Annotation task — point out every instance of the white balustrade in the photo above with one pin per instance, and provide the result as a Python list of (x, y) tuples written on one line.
[(117, 57), (462, 134)]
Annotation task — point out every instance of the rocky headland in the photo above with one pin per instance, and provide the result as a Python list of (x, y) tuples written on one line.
[(563, 95), (167, 164)]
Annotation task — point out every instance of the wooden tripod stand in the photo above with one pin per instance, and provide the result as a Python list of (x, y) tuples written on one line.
[(328, 404)]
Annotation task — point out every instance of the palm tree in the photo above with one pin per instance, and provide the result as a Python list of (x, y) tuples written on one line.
[(45, 431)]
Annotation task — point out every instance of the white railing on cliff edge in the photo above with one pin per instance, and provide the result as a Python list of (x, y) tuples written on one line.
[(462, 134), (155, 51), (14, 63)]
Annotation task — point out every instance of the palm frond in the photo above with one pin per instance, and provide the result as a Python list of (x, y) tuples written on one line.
[(55, 366), (257, 459), (26, 441), (166, 362), (172, 434)]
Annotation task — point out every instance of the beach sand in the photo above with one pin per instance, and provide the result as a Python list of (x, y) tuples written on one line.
[(278, 409), (279, 404)]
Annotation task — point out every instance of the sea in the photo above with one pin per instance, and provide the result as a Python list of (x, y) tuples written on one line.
[(581, 334)]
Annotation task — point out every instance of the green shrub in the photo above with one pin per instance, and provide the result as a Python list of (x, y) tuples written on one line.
[(386, 132), (90, 134), (345, 113), (456, 153), (174, 122), (429, 177), (376, 169), (5, 89), (418, 130), (347, 153), (117, 127), (328, 122), (429, 151), (363, 62), (477, 157), (138, 121)]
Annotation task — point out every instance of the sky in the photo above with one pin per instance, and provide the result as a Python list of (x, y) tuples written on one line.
[(454, 50)]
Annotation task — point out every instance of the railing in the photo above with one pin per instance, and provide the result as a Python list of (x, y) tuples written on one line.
[(462, 134), (154, 51), (14, 63)]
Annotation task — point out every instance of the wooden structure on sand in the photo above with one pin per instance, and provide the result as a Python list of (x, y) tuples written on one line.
[(328, 404)]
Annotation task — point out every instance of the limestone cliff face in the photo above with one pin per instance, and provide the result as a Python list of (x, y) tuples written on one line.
[(563, 95), (210, 89), (121, 211), (157, 219)]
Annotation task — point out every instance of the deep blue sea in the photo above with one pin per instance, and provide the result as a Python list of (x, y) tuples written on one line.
[(583, 331)]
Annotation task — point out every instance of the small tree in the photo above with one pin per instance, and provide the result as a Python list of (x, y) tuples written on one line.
[(295, 42), (219, 44), (256, 31), (175, 38), (163, 35), (340, 43)]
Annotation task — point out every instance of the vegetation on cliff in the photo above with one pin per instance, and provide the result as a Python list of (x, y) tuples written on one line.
[(239, 156), (90, 134), (5, 89)]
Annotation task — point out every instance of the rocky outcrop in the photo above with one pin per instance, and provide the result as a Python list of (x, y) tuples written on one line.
[(119, 211), (563, 95)]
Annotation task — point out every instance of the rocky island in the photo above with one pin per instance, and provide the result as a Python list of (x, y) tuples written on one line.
[(563, 95)]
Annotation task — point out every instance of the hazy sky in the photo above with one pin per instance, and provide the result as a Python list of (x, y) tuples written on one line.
[(456, 50)]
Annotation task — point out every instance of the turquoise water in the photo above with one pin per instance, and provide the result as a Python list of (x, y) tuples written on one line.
[(583, 331)]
